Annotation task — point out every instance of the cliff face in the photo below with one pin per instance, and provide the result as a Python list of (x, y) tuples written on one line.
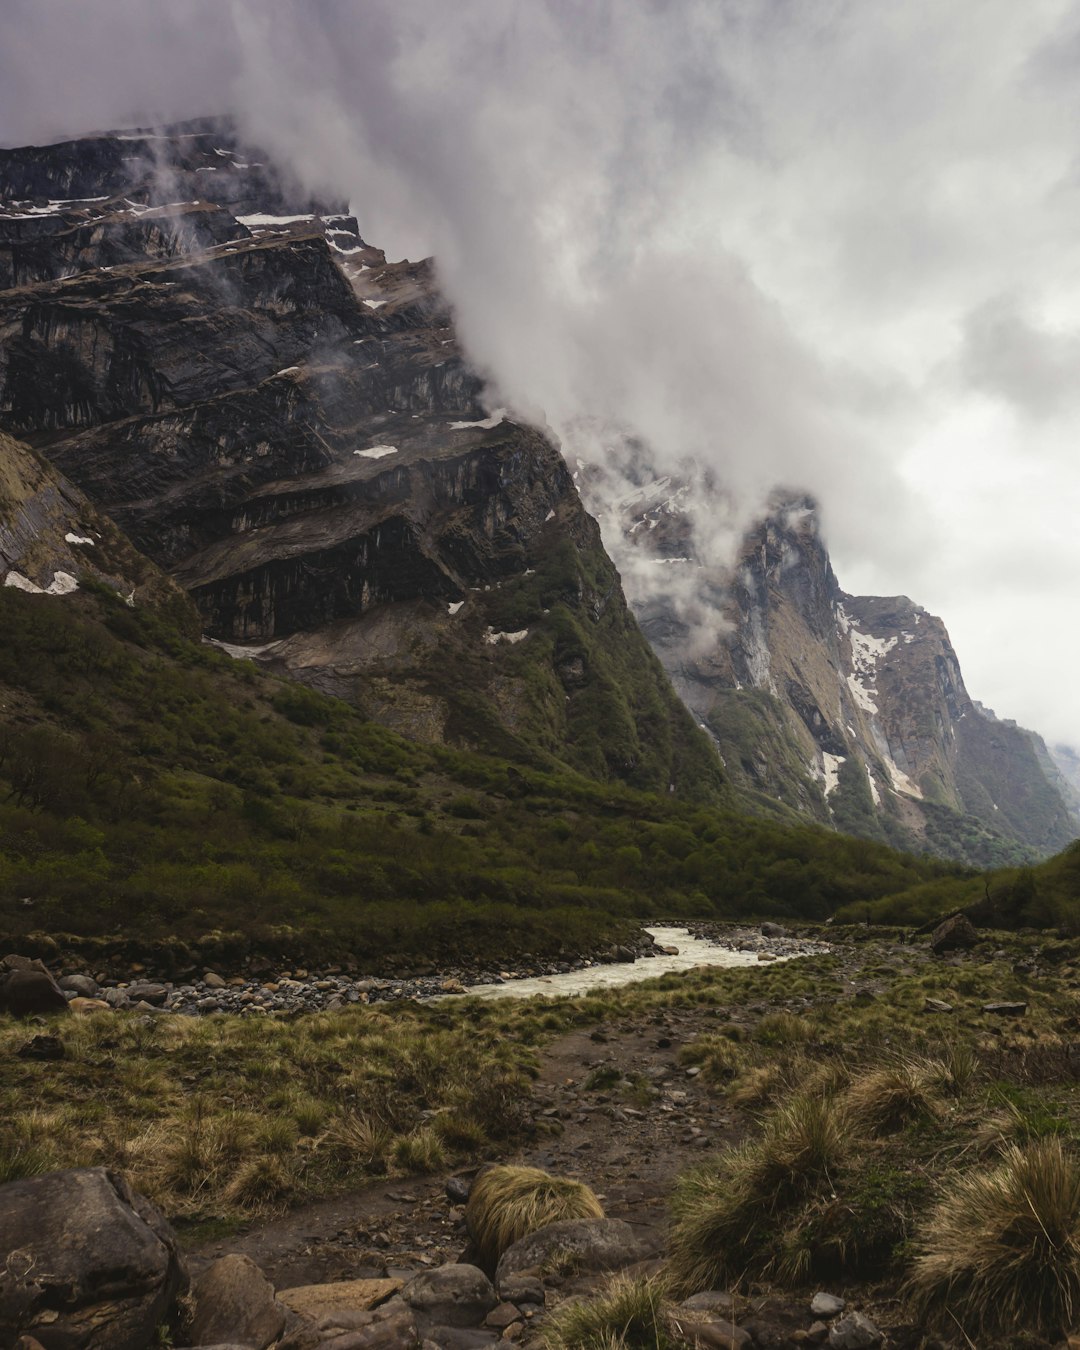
[(283, 421), (851, 710)]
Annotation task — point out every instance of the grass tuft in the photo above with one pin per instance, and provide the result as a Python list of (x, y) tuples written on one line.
[(508, 1203), (727, 1211), (627, 1315), (1002, 1248)]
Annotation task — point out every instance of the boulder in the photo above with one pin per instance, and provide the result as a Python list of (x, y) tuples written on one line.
[(234, 1303), (86, 1007), (453, 1295), (855, 1332), (90, 1264), (25, 992), (1005, 1009), (826, 1305), (773, 930), (583, 1245), (955, 934), (83, 985)]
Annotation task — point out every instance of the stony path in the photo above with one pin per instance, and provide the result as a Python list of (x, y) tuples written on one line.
[(625, 1142)]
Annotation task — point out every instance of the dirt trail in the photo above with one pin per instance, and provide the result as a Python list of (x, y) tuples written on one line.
[(595, 1122)]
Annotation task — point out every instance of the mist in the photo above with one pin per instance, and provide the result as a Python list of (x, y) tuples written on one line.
[(826, 247)]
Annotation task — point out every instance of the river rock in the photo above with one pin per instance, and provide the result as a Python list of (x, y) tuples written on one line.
[(773, 930), (83, 985), (826, 1305), (90, 1264), (234, 1302), (583, 1244), (955, 934), (453, 1295), (147, 991), (389, 1327)]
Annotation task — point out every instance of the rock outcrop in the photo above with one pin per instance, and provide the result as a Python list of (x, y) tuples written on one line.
[(851, 710), (284, 422), (90, 1265)]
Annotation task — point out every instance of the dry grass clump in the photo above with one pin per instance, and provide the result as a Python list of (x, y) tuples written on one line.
[(886, 1099), (627, 1315), (1002, 1248), (508, 1203), (727, 1211)]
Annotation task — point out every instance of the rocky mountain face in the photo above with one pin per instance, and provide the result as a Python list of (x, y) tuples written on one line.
[(850, 710), (282, 421)]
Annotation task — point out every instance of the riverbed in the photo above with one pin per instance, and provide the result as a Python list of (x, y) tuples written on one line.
[(692, 952)]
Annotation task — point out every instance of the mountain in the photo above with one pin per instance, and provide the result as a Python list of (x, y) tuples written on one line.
[(283, 422), (848, 710)]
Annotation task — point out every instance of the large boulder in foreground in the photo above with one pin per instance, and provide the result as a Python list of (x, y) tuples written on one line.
[(90, 1264)]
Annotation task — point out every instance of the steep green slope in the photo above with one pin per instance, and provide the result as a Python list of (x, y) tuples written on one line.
[(155, 788)]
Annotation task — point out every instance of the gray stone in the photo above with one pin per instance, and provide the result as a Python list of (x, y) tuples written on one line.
[(213, 980), (580, 1244), (709, 1303), (521, 1289), (955, 934), (234, 1301), (146, 991), (90, 1264), (773, 930), (1005, 1009), (826, 1305), (855, 1332), (389, 1327), (501, 1316), (82, 985), (453, 1295), (937, 1005), (115, 998)]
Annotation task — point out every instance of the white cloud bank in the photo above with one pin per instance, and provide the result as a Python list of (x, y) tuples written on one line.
[(828, 245)]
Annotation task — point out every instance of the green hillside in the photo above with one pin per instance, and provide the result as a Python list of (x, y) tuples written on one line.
[(156, 789)]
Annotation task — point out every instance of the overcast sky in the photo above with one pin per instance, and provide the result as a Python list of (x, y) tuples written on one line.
[(829, 245)]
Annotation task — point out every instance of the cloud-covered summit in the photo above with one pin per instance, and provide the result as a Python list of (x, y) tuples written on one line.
[(825, 246)]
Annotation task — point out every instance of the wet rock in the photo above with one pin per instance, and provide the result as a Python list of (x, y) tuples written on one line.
[(90, 1264), (234, 1302), (855, 1332), (826, 1305), (955, 934), (453, 1295), (578, 1244)]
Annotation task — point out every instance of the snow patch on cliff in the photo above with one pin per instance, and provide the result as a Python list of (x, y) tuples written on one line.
[(376, 451), (499, 415), (831, 770)]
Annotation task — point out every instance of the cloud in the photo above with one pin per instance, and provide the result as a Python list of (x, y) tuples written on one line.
[(825, 246)]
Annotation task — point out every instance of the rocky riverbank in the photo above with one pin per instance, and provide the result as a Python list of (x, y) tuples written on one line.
[(287, 991)]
